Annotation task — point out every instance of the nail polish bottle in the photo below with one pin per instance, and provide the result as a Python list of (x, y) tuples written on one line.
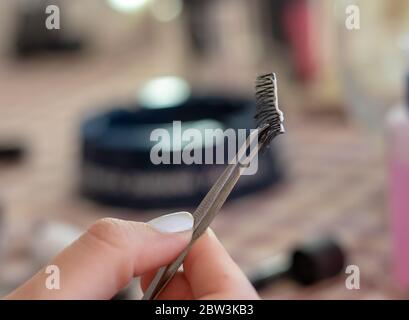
[(398, 167)]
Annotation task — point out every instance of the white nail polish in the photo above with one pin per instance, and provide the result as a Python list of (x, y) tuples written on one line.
[(173, 222)]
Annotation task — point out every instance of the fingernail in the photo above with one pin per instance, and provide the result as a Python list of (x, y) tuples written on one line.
[(173, 222)]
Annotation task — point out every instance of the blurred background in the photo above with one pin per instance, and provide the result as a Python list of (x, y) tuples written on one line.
[(340, 174)]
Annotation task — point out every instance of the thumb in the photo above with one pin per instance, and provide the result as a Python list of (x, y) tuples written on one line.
[(108, 255)]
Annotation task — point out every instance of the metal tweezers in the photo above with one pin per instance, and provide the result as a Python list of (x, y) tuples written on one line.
[(207, 210)]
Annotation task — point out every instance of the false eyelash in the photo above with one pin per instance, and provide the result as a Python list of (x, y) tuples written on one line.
[(269, 117)]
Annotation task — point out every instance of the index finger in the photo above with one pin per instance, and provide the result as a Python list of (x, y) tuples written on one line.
[(213, 274)]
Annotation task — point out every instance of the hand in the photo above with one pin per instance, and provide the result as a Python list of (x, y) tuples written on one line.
[(107, 257)]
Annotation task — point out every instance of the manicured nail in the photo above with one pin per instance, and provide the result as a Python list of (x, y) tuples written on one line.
[(173, 222)]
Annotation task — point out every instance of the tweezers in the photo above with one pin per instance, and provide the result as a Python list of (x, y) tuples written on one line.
[(207, 210)]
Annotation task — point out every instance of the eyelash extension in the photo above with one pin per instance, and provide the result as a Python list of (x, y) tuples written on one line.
[(269, 117)]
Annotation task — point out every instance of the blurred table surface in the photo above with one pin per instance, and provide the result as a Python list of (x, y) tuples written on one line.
[(335, 184)]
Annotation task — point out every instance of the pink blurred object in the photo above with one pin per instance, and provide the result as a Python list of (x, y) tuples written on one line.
[(399, 192), (298, 24)]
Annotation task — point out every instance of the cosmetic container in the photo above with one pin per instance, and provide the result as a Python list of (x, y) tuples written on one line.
[(398, 167)]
